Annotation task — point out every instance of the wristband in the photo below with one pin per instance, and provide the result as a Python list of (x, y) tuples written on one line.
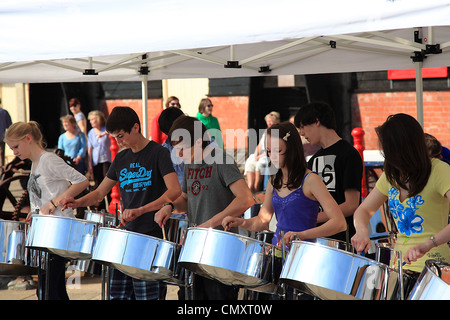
[(434, 241), (51, 201), (168, 204)]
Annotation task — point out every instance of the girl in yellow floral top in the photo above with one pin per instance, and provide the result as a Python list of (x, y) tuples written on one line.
[(416, 187)]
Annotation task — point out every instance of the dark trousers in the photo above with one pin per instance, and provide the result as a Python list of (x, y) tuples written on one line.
[(124, 287), (57, 279), (207, 289)]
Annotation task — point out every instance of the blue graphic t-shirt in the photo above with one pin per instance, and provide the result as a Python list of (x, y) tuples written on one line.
[(141, 180)]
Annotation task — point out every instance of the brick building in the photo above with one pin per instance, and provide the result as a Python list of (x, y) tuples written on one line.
[(360, 100)]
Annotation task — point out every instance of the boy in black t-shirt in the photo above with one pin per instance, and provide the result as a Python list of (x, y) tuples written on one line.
[(146, 180), (337, 162)]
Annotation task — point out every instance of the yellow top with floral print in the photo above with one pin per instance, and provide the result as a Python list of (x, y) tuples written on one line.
[(421, 216)]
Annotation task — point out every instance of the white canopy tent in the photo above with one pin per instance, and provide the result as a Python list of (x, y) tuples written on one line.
[(114, 40)]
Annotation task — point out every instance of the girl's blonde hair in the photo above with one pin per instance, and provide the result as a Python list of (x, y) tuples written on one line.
[(18, 131)]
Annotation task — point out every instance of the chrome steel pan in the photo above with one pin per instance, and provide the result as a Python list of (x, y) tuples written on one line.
[(138, 255), (329, 273), (103, 219), (267, 236), (227, 257), (67, 237), (176, 229), (433, 283), (333, 243), (273, 272), (15, 259)]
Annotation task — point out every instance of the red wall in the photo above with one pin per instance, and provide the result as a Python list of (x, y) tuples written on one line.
[(232, 112), (371, 110), (154, 107)]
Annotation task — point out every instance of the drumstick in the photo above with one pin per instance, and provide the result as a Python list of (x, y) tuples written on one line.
[(227, 227), (64, 207), (164, 232)]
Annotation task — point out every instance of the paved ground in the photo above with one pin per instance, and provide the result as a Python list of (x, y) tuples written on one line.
[(88, 288)]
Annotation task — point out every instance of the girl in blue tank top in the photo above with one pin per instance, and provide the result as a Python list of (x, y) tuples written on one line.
[(288, 215), (293, 194)]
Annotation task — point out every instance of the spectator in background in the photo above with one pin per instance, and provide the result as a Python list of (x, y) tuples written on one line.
[(75, 108), (73, 142), (99, 152), (156, 134), (5, 122), (256, 164), (211, 123)]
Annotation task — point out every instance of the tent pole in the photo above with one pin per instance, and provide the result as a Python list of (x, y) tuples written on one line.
[(419, 92), (145, 105)]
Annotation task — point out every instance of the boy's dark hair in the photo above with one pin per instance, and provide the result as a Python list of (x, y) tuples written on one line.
[(167, 117), (191, 126), (311, 112), (434, 147), (122, 118)]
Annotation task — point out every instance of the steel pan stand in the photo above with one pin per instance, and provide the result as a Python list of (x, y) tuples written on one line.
[(105, 282), (106, 286), (400, 275), (46, 285), (188, 285)]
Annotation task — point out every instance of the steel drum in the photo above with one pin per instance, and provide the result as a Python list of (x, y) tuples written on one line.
[(15, 259), (433, 283), (102, 219), (175, 229), (67, 237), (267, 236), (273, 267), (227, 257), (333, 274), (138, 255), (333, 243)]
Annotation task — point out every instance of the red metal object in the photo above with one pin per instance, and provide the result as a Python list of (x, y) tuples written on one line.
[(438, 72), (115, 192), (358, 144)]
